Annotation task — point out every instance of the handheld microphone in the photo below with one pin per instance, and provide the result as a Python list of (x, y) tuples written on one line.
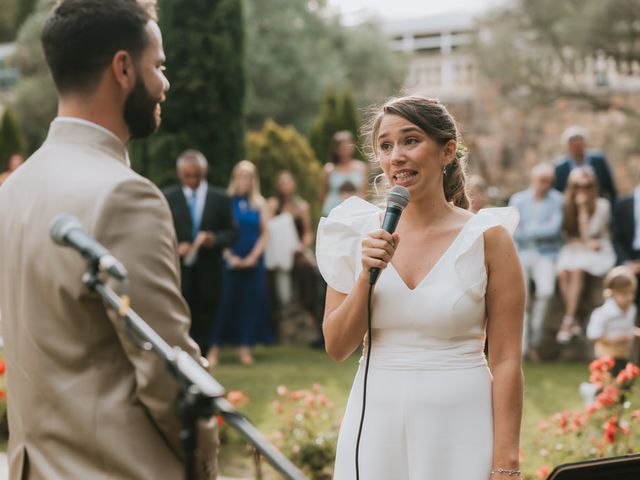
[(397, 199), (66, 230)]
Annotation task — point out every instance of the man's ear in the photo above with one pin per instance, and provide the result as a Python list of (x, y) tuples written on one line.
[(124, 70)]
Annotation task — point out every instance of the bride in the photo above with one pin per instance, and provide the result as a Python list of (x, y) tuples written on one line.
[(435, 409)]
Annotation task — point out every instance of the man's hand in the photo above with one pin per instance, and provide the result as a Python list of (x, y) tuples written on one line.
[(206, 239), (183, 249)]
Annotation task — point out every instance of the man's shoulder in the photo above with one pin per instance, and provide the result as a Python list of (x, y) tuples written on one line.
[(596, 156), (523, 196), (172, 191), (556, 195), (217, 192)]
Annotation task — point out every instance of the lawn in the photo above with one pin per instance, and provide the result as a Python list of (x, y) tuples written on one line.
[(549, 387)]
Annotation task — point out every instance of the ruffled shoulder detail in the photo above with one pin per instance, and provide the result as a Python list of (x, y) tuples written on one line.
[(338, 241), (469, 261)]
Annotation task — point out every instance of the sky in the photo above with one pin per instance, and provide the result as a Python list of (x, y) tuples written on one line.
[(402, 9)]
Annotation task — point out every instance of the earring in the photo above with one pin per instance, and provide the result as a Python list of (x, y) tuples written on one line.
[(444, 170)]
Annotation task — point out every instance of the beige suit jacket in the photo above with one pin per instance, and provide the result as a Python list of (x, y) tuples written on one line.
[(84, 402)]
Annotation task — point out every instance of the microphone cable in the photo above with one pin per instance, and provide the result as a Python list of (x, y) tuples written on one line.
[(366, 375)]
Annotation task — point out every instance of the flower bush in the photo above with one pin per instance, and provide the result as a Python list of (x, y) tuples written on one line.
[(607, 426), (309, 431), (238, 400)]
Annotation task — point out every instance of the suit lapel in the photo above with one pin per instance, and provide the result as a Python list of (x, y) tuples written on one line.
[(207, 211)]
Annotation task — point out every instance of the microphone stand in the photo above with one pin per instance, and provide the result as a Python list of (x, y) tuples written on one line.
[(200, 394)]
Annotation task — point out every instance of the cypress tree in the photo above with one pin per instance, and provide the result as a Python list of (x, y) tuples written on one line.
[(11, 140), (336, 113), (24, 8), (348, 112), (203, 42)]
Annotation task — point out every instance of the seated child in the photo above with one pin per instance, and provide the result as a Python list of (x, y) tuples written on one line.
[(612, 326)]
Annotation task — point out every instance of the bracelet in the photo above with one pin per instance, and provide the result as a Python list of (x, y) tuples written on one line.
[(506, 471)]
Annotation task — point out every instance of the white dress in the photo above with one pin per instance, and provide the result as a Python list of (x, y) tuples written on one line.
[(575, 255), (429, 409)]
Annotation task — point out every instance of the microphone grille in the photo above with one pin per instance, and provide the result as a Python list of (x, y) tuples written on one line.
[(398, 196), (61, 225)]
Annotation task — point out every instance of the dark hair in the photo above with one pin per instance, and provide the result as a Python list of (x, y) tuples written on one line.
[(80, 38), (433, 119), (338, 139), (347, 187), (570, 221)]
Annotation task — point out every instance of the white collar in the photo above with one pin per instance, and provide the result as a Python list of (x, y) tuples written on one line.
[(201, 188), (82, 121)]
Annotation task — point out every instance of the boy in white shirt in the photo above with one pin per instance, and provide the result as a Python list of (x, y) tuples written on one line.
[(612, 326)]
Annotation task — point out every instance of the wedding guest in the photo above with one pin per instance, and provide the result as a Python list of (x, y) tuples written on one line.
[(588, 248), (477, 193), (626, 232), (341, 168), (434, 408), (298, 283), (204, 224), (612, 326), (539, 238), (14, 162), (242, 318), (575, 140)]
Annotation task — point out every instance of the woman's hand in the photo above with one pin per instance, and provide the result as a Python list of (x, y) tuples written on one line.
[(248, 262), (594, 244), (234, 261), (378, 249)]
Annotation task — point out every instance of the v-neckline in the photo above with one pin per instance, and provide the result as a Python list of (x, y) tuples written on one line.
[(435, 265)]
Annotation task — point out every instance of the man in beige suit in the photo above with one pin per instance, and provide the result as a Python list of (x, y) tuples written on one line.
[(84, 401)]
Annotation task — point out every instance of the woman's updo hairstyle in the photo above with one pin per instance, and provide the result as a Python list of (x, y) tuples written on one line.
[(435, 121)]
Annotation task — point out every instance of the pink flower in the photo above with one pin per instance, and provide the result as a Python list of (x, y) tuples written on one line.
[(609, 396), (282, 390), (543, 426), (543, 472), (297, 394), (628, 374), (593, 408), (635, 415), (610, 430), (277, 407), (237, 398)]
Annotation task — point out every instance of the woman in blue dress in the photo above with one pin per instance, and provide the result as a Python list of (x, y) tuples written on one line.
[(242, 318)]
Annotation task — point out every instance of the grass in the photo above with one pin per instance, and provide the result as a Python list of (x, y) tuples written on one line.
[(549, 387)]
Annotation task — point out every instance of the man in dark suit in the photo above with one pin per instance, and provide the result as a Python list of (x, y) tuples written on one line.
[(626, 241), (204, 223), (576, 156), (626, 232)]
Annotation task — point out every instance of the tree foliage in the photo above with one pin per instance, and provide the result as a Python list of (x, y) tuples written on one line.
[(296, 48), (11, 140), (204, 44), (337, 112), (544, 50), (275, 148), (24, 8), (34, 99), (7, 20)]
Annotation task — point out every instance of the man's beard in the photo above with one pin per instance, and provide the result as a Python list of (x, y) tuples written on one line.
[(140, 111)]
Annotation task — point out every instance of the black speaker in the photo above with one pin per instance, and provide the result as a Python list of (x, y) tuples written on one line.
[(626, 467)]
